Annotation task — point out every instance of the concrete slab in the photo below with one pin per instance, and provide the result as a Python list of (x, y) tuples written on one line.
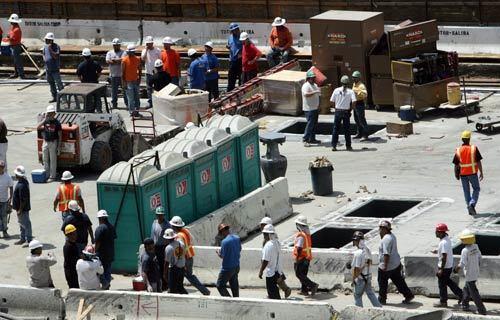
[(27, 301)]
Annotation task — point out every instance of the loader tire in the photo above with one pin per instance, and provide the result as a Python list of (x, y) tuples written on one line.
[(101, 156), (121, 146)]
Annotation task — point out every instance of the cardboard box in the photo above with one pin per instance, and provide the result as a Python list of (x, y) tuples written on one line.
[(382, 93), (283, 92), (399, 127)]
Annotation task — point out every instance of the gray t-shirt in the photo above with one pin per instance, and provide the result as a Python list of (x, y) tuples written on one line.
[(175, 254), (389, 246), (39, 270), (115, 69)]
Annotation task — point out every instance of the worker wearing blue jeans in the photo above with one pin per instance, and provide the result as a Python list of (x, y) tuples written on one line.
[(230, 255), (343, 100)]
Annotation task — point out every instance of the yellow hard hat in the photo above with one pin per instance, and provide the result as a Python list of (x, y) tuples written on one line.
[(69, 229), (467, 237), (466, 134)]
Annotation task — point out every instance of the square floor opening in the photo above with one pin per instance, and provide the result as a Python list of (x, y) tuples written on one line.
[(383, 208), (326, 128), (332, 237), (488, 245)]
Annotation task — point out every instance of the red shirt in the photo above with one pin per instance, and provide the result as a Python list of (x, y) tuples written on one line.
[(171, 62), (15, 35), (249, 53)]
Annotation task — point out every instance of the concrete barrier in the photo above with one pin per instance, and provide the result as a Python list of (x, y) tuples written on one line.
[(142, 305), (356, 313), (244, 214), (31, 302)]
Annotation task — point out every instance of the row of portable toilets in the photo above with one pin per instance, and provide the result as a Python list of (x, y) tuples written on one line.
[(198, 171)]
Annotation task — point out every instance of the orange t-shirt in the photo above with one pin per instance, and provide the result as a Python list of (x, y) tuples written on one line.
[(130, 65), (15, 35), (280, 38), (171, 62)]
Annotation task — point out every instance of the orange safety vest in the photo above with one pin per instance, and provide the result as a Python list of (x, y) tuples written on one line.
[(67, 192), (186, 238), (466, 155), (305, 253)]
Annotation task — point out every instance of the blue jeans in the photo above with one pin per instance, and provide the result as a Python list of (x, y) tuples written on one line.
[(360, 119), (25, 226), (55, 82), (3, 216), (342, 118), (18, 60), (467, 181), (231, 276), (106, 275), (276, 56), (115, 83), (149, 89), (133, 96), (312, 121), (361, 286), (194, 279)]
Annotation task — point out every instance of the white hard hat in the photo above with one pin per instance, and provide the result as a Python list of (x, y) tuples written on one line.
[(384, 223), (35, 244), (302, 220), (50, 108), (14, 18), (160, 210), (168, 40), (149, 39), (67, 176), (191, 52), (116, 41), (209, 44), (176, 221), (169, 234), (158, 63), (102, 214), (49, 36), (268, 228), (131, 48), (20, 171), (73, 205), (244, 36), (278, 21), (266, 220), (86, 52)]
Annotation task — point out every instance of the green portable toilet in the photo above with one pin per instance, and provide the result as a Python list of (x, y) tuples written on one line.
[(179, 181), (227, 166), (204, 171), (247, 140), (133, 220)]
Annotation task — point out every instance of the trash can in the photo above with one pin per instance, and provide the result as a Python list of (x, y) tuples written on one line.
[(131, 209), (321, 176), (247, 141), (204, 171), (227, 167)]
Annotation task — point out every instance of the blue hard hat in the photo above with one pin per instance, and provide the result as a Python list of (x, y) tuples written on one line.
[(233, 26)]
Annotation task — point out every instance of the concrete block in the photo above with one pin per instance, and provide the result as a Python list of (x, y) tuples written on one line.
[(387, 313), (170, 90), (143, 305), (399, 127), (31, 302)]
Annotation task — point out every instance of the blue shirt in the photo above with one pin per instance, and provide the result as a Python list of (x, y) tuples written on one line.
[(230, 252), (235, 47), (196, 72), (51, 64), (210, 62)]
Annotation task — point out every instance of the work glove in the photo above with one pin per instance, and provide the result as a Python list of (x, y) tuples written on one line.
[(150, 288)]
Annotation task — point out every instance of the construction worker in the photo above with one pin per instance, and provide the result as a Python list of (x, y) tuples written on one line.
[(359, 109), (51, 134), (185, 237), (212, 71), (52, 59), (105, 236), (66, 192), (389, 266), (250, 56), (160, 78), (82, 223), (149, 55), (4, 143), (72, 252), (230, 254), (22, 205), (310, 105), (150, 267), (470, 260), (160, 224), (445, 267), (114, 60), (131, 77), (270, 262), (15, 37), (175, 263), (6, 192), (89, 71), (302, 256), (171, 60), (343, 100), (467, 161), (196, 70), (88, 268), (361, 273), (281, 41), (39, 266), (235, 47)]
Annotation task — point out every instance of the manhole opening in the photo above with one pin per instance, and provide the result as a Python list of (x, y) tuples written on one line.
[(330, 237), (498, 222), (488, 245), (325, 128), (380, 208)]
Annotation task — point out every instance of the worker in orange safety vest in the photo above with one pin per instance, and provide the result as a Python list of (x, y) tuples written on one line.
[(467, 161), (66, 192), (302, 256), (185, 237)]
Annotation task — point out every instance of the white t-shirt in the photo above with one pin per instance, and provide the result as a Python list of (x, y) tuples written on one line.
[(343, 98), (88, 272), (469, 261), (149, 57), (115, 70), (445, 247), (270, 253), (5, 183), (389, 246), (360, 260), (312, 102)]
